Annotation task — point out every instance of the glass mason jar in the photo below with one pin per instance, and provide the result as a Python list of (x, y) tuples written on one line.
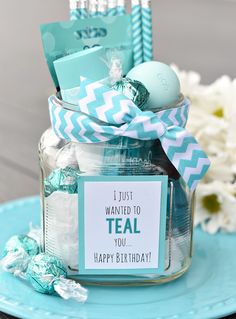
[(62, 162)]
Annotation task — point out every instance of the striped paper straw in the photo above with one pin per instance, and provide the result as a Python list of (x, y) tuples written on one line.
[(137, 32), (147, 30), (83, 9), (101, 10), (120, 7), (112, 8), (74, 10), (93, 8)]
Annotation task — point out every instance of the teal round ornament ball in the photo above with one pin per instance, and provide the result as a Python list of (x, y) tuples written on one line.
[(161, 82)]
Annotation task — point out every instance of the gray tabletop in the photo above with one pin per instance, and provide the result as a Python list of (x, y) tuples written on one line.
[(195, 34)]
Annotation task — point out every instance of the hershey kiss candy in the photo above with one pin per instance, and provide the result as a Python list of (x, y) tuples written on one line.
[(134, 90), (17, 253), (64, 180), (47, 274)]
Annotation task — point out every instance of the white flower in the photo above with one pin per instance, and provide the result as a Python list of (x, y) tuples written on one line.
[(215, 99), (216, 207), (190, 81), (212, 120), (221, 169), (231, 138)]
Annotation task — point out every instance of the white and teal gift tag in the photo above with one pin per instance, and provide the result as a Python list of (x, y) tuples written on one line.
[(122, 223)]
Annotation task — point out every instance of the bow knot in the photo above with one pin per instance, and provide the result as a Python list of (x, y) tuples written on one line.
[(139, 124)]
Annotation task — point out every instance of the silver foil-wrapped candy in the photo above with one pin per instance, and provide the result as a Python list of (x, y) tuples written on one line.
[(66, 156)]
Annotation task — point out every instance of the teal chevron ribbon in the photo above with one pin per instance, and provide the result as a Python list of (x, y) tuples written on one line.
[(103, 114), (74, 14)]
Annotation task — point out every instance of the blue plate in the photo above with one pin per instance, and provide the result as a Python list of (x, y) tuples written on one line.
[(208, 290)]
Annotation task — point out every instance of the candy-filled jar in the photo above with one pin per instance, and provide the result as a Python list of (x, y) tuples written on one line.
[(122, 159)]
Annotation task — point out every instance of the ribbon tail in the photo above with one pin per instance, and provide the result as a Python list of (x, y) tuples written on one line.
[(186, 155)]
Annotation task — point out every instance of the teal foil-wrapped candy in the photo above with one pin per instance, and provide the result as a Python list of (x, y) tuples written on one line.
[(21, 242), (64, 180), (42, 272), (47, 274), (17, 253), (134, 90)]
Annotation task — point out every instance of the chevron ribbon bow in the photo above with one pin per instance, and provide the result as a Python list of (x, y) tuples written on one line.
[(103, 114)]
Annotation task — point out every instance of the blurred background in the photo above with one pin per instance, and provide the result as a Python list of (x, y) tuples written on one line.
[(194, 34)]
